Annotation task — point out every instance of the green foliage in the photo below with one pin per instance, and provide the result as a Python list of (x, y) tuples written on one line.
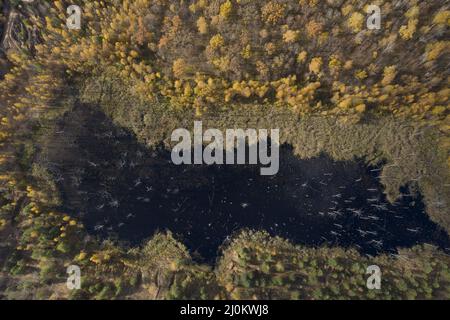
[(329, 273)]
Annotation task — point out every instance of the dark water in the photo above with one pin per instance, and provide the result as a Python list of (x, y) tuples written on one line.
[(124, 191)]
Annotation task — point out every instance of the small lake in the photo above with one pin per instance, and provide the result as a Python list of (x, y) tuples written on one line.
[(124, 191)]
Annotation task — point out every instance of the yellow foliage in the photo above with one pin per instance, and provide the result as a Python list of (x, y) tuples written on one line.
[(104, 42), (301, 58), (361, 108), (96, 259), (361, 74), (270, 48), (225, 9), (179, 68), (174, 265), (438, 110), (442, 17), (434, 50), (389, 75), (313, 28), (216, 41), (202, 25), (346, 103), (315, 65), (246, 52), (310, 3), (134, 54), (407, 32), (272, 12), (222, 63), (356, 21), (334, 63), (347, 9), (81, 256), (413, 12), (291, 36), (348, 65)]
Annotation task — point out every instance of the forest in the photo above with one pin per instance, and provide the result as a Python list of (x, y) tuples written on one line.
[(311, 68)]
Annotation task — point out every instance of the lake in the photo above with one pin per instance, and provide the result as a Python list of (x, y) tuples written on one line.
[(124, 191)]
